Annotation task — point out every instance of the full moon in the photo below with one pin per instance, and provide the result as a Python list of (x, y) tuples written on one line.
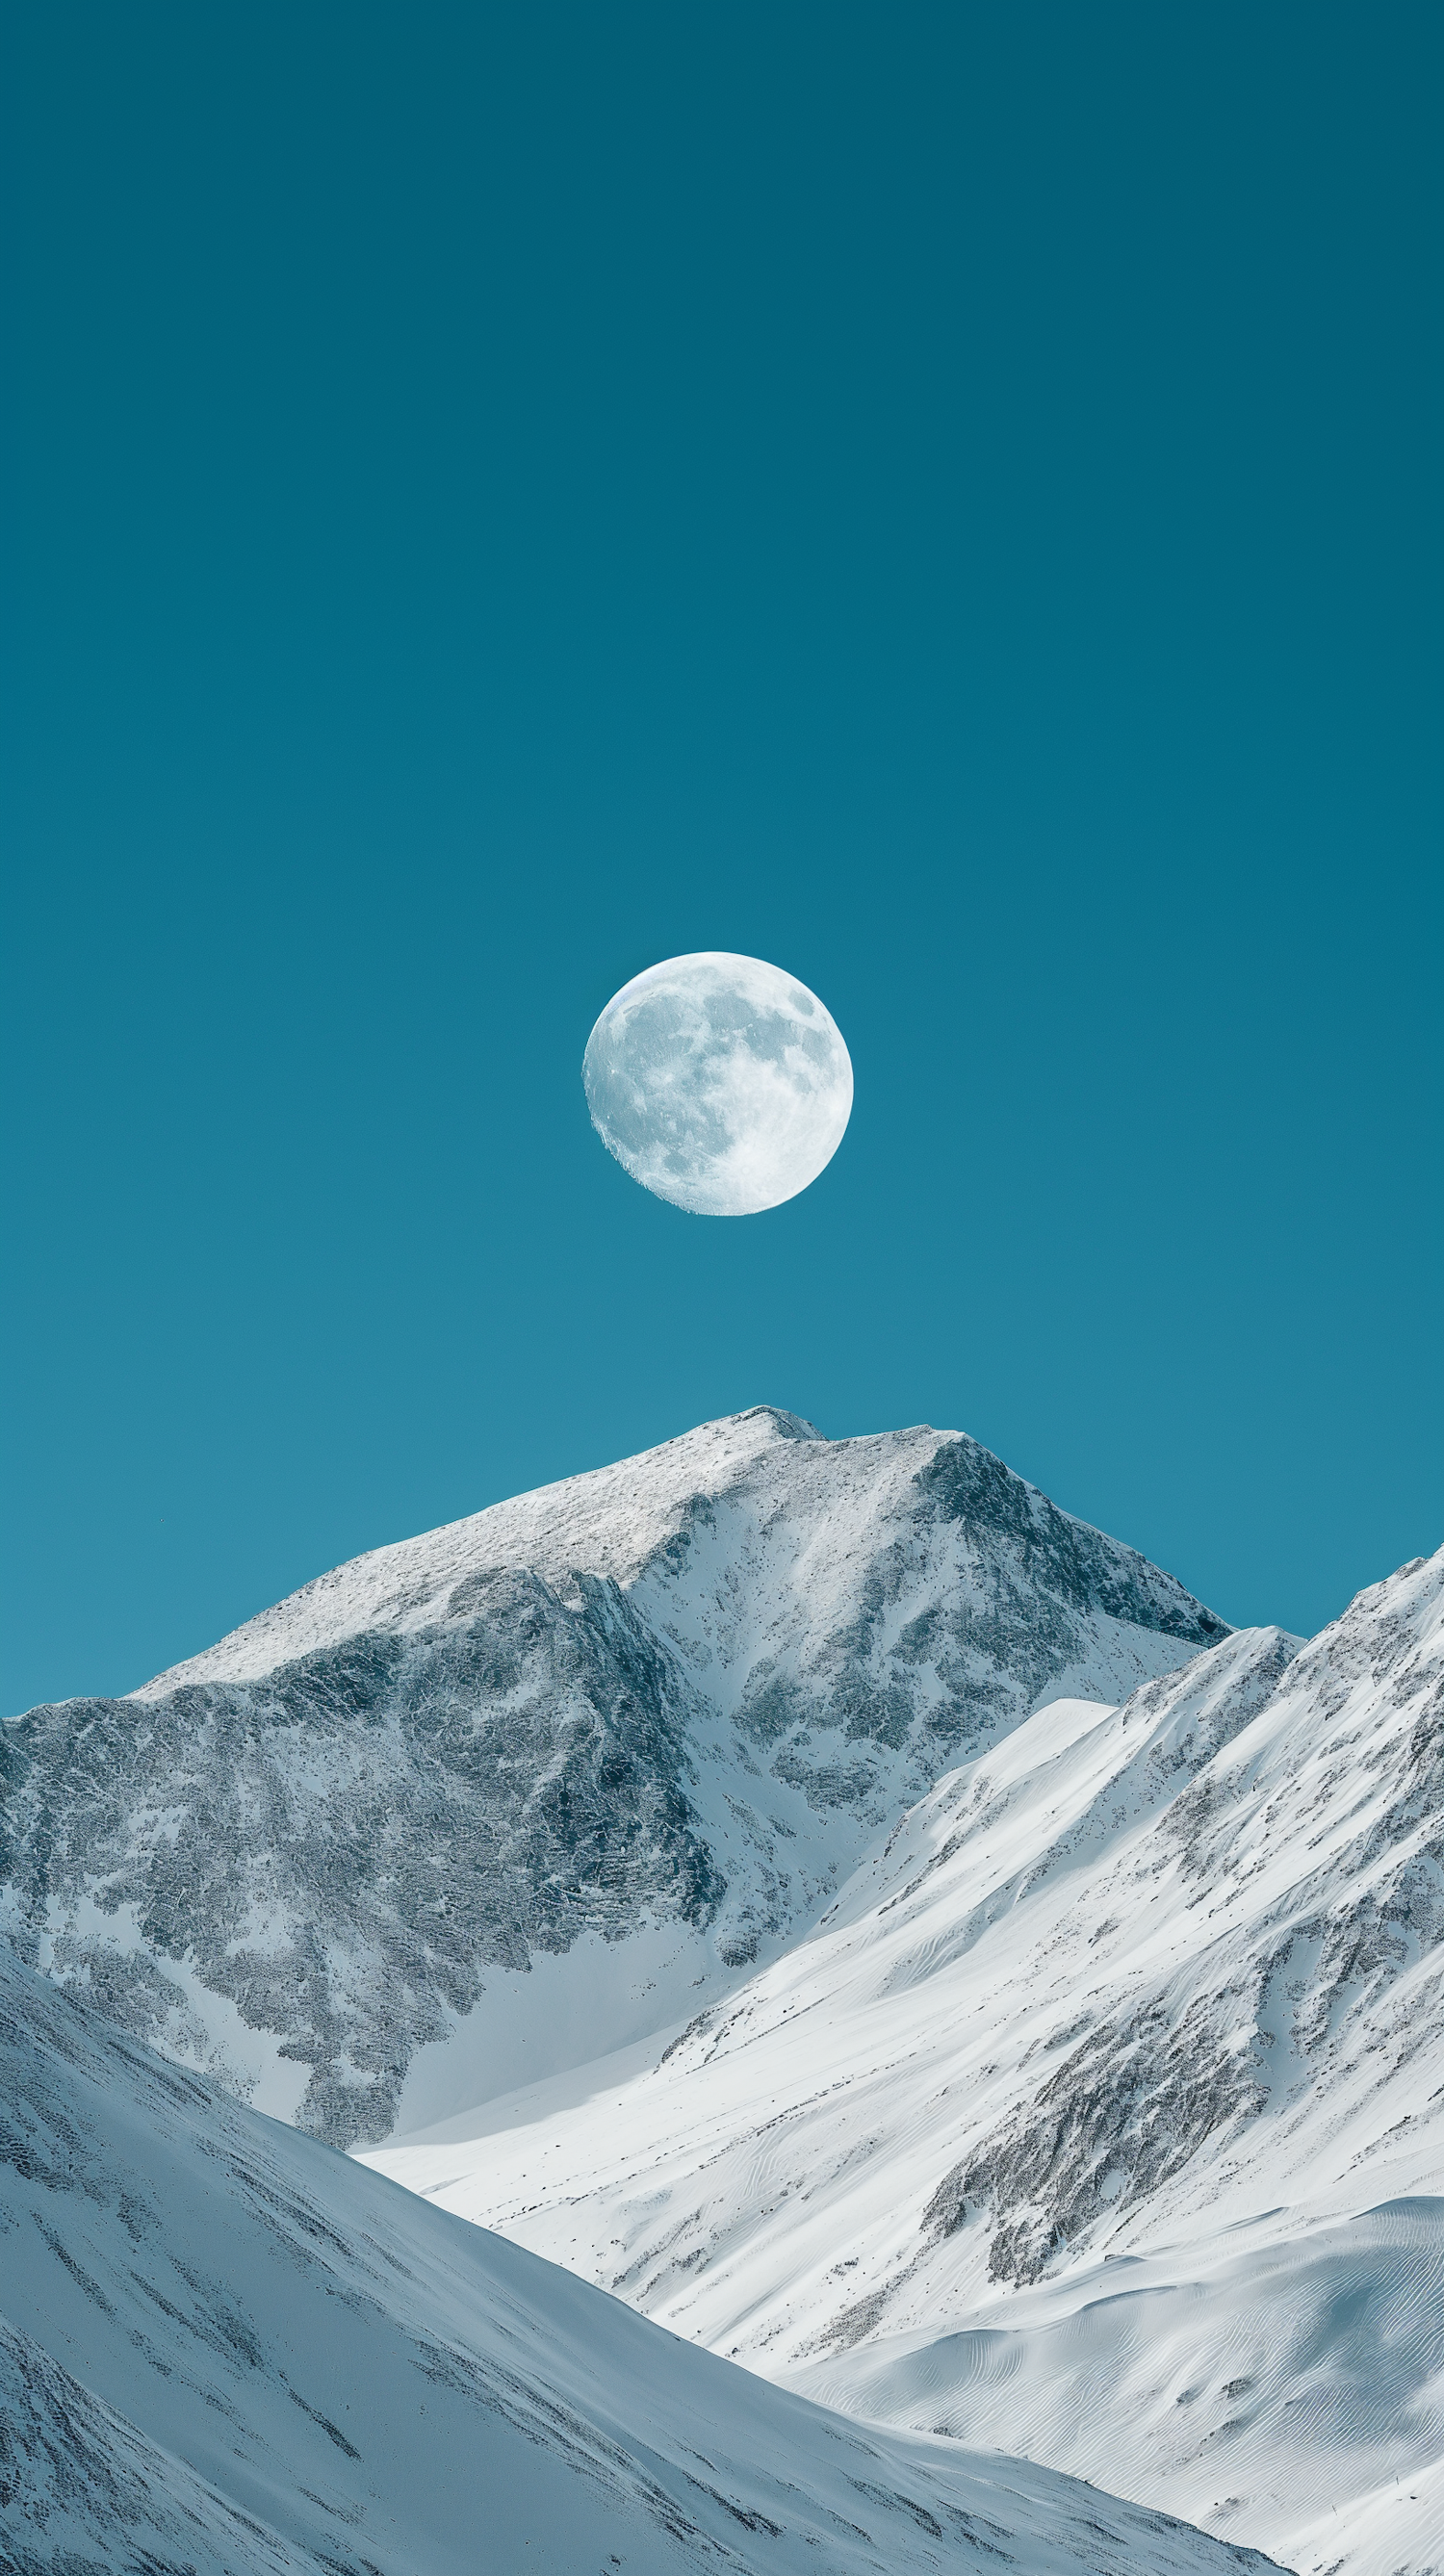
[(719, 1083)]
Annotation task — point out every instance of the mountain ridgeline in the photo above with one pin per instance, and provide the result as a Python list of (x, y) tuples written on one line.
[(226, 2352), (1100, 2117), (669, 1702)]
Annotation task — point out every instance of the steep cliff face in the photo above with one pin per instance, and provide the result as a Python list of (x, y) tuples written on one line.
[(643, 1721)]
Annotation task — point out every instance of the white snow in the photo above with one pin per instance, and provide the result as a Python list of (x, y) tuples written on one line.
[(1166, 1982), (780, 1640), (226, 2350), (1086, 2103), (607, 1522), (780, 1559), (547, 2020)]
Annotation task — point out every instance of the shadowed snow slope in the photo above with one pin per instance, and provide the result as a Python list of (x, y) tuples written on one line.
[(226, 2351), (481, 1804), (1102, 2115)]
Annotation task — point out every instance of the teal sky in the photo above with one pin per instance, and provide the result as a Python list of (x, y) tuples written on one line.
[(942, 498)]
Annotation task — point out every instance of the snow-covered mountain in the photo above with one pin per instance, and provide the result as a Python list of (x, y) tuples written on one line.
[(227, 2351), (1101, 2116), (480, 1805)]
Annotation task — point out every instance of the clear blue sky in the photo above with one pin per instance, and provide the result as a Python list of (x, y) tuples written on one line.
[(945, 498)]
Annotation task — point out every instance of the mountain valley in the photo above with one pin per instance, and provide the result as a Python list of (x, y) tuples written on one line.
[(1120, 2063), (225, 2350), (866, 2023)]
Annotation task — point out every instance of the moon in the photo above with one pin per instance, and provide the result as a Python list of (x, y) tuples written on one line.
[(719, 1083)]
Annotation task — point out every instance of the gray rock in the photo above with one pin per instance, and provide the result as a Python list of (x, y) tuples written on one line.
[(685, 1690)]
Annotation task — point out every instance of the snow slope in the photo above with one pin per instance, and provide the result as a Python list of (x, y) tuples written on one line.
[(226, 2351), (1102, 2116), (479, 1805)]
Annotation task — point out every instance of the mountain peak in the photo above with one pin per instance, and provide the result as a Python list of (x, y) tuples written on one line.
[(602, 1747)]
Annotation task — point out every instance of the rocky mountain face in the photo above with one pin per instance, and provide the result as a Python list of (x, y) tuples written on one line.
[(225, 2351), (642, 1722), (1102, 2115)]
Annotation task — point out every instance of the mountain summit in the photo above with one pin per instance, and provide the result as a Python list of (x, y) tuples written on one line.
[(497, 1799)]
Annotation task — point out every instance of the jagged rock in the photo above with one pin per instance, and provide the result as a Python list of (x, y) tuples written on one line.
[(665, 1703)]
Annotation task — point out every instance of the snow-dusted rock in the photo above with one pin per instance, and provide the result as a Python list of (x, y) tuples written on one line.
[(484, 1803), (1101, 2116), (227, 2351)]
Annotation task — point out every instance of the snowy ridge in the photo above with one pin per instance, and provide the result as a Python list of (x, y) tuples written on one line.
[(608, 1522), (616, 1521), (543, 1782), (226, 2351), (1146, 1999)]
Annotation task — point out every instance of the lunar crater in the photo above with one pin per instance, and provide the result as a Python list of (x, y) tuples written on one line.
[(719, 1082)]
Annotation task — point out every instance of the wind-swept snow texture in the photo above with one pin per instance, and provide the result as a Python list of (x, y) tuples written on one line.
[(226, 2351), (538, 1784), (1102, 2117)]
